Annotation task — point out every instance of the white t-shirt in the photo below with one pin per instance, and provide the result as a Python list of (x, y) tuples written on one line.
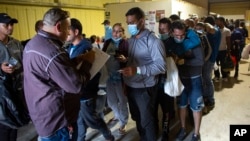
[(225, 32), (95, 44)]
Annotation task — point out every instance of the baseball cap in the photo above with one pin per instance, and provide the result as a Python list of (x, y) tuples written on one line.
[(5, 18), (106, 22)]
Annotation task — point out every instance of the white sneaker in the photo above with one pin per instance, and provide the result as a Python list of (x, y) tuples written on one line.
[(101, 92)]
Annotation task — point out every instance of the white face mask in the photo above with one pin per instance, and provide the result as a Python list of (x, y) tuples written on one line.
[(200, 31)]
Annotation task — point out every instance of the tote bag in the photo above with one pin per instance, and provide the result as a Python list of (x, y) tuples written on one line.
[(173, 85)]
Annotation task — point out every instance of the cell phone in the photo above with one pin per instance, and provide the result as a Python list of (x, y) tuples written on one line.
[(117, 53), (12, 62)]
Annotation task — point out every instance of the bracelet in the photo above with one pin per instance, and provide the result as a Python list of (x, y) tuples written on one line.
[(138, 70)]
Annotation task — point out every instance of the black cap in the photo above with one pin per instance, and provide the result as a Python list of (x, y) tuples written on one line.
[(106, 22), (5, 18)]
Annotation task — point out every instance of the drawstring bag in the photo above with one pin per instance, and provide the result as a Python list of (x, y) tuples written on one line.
[(173, 85)]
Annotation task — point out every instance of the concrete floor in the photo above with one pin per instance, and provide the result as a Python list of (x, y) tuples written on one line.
[(232, 107)]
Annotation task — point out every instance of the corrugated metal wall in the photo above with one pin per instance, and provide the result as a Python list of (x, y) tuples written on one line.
[(90, 13)]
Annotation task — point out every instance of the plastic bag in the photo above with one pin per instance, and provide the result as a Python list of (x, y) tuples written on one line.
[(173, 85), (245, 52)]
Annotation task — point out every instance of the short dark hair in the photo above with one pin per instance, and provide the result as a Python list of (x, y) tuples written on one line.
[(178, 24), (210, 20), (76, 24), (54, 15), (242, 24), (38, 25), (138, 12), (174, 17), (222, 19), (200, 24), (92, 38), (165, 21)]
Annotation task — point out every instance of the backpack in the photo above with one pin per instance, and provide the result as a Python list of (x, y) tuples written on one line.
[(207, 49)]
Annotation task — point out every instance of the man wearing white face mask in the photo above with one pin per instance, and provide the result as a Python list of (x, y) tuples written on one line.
[(145, 62), (117, 48)]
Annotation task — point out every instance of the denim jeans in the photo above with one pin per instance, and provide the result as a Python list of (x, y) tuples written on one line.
[(141, 104), (208, 85), (100, 104), (88, 117), (60, 135), (192, 93)]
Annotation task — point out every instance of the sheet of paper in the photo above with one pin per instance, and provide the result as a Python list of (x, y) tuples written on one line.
[(100, 59)]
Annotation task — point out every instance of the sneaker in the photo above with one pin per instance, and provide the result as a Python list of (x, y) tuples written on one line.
[(211, 105), (216, 79), (195, 137), (101, 92), (122, 130), (181, 135)]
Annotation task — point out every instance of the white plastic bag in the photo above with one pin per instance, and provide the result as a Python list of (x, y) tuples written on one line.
[(173, 85), (245, 52)]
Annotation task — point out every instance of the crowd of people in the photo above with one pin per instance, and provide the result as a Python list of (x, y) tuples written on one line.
[(63, 100)]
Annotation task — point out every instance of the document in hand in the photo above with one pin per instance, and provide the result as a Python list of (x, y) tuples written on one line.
[(100, 58)]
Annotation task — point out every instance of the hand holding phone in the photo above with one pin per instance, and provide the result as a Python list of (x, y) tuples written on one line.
[(12, 62)]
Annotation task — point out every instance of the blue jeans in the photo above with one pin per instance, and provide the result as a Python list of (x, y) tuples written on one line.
[(141, 104), (100, 104), (59, 135), (208, 85), (88, 117), (192, 94)]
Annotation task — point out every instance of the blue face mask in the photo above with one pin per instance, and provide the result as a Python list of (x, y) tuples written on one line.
[(132, 29), (117, 40), (164, 36), (179, 40)]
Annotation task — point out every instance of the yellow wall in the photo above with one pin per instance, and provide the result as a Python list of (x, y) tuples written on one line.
[(91, 15), (248, 24), (233, 8)]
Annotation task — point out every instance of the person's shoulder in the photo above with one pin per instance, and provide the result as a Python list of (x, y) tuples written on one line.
[(192, 32), (225, 29), (11, 39)]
